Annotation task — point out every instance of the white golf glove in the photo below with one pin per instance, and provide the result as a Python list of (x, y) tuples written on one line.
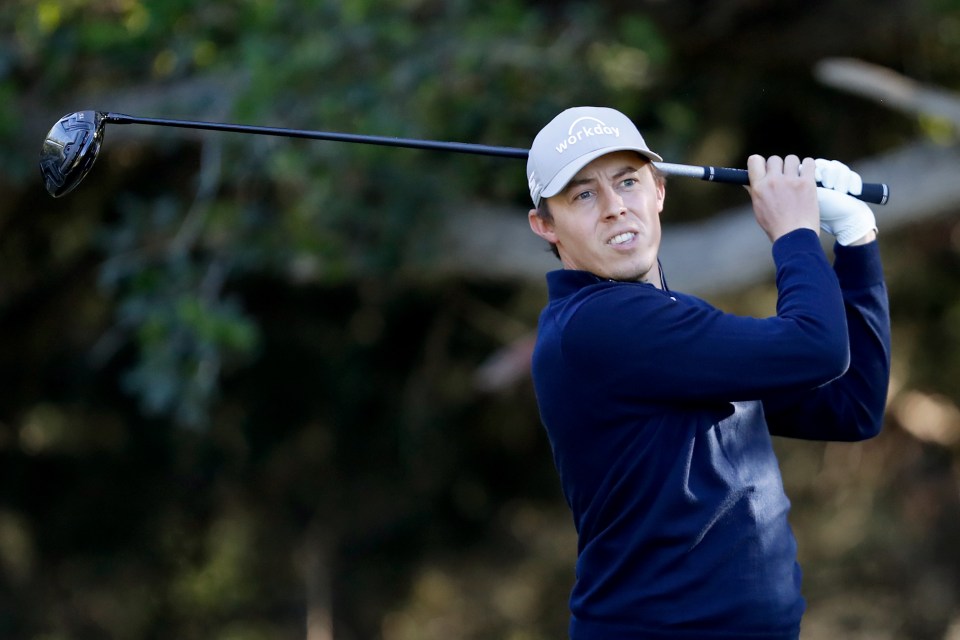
[(842, 215)]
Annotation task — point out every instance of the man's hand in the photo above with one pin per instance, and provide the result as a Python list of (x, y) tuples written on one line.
[(784, 194), (850, 220)]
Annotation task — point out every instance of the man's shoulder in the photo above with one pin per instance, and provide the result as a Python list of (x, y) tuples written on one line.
[(599, 310)]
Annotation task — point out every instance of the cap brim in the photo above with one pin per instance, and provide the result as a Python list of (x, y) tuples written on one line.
[(565, 175)]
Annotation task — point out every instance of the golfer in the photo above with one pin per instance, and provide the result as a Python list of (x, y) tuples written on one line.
[(660, 408)]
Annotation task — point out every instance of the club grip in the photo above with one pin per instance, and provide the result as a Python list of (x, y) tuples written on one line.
[(873, 192)]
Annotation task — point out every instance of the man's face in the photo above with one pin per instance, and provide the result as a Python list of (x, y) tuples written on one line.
[(607, 220)]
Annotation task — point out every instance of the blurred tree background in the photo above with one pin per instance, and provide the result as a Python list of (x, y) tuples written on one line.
[(239, 404)]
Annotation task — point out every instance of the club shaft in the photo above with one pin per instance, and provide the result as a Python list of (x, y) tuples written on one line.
[(409, 143), (877, 193)]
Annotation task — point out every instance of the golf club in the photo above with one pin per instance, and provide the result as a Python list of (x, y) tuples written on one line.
[(72, 146)]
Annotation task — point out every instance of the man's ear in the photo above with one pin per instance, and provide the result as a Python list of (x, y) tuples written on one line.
[(661, 185), (541, 227)]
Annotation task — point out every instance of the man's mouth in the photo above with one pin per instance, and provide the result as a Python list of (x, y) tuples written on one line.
[(622, 238)]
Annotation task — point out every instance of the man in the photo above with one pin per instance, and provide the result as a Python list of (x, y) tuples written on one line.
[(659, 407)]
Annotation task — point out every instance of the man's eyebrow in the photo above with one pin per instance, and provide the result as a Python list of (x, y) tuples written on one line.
[(625, 170), (577, 182)]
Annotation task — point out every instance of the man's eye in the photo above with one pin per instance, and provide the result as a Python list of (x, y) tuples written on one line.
[(629, 182), (583, 195)]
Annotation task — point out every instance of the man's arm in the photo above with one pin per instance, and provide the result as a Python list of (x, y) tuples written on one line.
[(851, 407), (674, 348), (867, 239)]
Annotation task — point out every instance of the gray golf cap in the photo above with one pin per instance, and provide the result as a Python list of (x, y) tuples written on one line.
[(572, 140)]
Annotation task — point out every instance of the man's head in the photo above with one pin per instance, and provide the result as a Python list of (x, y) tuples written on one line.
[(597, 196), (574, 138)]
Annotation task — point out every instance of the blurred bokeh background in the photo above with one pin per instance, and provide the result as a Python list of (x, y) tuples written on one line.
[(256, 388)]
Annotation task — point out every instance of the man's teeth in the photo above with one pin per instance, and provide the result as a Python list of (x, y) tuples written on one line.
[(621, 238)]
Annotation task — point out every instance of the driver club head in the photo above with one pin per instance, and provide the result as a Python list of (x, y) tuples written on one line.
[(69, 150)]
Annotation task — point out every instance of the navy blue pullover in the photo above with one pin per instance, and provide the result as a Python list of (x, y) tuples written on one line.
[(659, 409)]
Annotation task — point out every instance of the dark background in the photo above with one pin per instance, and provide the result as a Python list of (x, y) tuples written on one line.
[(237, 403)]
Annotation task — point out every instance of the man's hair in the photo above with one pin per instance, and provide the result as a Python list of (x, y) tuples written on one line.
[(543, 209), (543, 212)]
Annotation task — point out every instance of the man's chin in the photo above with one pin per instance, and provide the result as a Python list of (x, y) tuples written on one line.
[(631, 275)]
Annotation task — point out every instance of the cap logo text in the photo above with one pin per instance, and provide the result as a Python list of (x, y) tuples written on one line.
[(592, 127)]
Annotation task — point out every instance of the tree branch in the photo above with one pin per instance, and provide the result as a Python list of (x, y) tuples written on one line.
[(889, 88)]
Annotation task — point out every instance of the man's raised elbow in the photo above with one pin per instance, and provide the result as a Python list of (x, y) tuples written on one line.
[(864, 428), (863, 415), (872, 430)]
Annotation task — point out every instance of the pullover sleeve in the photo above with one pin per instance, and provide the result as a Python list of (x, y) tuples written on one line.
[(636, 342), (850, 407)]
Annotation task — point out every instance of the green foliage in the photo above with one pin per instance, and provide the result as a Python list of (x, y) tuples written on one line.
[(410, 69), (171, 303)]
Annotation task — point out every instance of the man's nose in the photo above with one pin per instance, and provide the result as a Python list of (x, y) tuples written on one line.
[(613, 204)]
